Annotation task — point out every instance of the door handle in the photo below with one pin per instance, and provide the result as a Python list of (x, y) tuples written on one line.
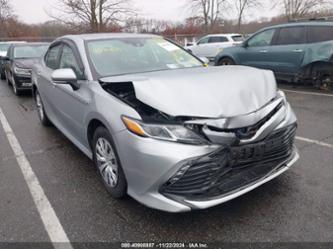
[(263, 51), (297, 50)]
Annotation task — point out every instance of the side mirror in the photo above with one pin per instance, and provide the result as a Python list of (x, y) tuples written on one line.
[(245, 44), (65, 76), (204, 60)]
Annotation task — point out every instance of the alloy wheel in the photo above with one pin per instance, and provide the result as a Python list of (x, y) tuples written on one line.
[(226, 62), (107, 162)]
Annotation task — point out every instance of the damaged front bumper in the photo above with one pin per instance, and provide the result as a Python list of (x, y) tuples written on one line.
[(231, 171), (176, 177)]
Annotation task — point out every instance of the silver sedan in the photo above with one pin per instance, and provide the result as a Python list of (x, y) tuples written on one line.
[(159, 124)]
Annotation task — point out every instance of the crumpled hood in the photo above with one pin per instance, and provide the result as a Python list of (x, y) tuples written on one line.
[(212, 92)]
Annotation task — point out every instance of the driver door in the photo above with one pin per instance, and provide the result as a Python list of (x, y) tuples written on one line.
[(256, 53), (71, 105)]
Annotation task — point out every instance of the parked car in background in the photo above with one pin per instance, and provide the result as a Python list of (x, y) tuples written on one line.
[(160, 125), (296, 52), (19, 61), (211, 45), (4, 46)]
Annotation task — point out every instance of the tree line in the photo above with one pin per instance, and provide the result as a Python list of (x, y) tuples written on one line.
[(205, 16)]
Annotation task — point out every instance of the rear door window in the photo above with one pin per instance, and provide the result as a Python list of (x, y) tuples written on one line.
[(218, 39), (238, 38), (291, 35), (320, 34)]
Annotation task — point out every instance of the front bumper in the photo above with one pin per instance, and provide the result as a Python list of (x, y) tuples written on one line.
[(156, 176), (23, 82)]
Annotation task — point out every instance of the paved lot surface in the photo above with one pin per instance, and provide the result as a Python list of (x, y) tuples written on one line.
[(297, 206)]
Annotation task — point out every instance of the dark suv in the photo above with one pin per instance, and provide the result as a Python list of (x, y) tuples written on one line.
[(296, 52), (19, 62)]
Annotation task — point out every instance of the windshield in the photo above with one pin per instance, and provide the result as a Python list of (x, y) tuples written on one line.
[(238, 38), (29, 51), (136, 55), (4, 47)]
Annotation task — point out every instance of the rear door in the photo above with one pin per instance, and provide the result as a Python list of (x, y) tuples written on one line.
[(288, 50), (256, 50), (45, 84)]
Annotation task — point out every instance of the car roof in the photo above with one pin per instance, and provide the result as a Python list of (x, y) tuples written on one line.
[(296, 24), (12, 42), (97, 36), (226, 34)]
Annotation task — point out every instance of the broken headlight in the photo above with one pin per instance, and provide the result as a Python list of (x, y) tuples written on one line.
[(172, 133)]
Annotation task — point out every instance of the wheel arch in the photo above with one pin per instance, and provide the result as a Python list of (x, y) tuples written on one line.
[(316, 69), (93, 125), (224, 56)]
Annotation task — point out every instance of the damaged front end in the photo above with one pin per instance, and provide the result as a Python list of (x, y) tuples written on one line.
[(154, 123), (251, 147)]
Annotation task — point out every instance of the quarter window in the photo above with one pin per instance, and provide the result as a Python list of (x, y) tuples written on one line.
[(68, 60), (262, 39), (320, 34), (292, 35), (52, 56)]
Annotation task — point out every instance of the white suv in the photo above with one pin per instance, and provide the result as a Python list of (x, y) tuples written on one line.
[(210, 46)]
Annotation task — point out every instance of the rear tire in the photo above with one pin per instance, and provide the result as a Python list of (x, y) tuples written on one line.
[(41, 110), (107, 162), (226, 61)]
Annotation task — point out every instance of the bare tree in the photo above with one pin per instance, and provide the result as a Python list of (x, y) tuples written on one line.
[(6, 10), (210, 11), (294, 9), (96, 14), (241, 6)]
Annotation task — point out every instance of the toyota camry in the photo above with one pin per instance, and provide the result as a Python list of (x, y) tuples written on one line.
[(160, 125)]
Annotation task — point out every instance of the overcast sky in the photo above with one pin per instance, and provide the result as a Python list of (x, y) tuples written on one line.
[(33, 11)]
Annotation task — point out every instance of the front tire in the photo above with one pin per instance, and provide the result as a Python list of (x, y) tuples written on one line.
[(226, 62), (107, 162), (41, 110), (16, 91)]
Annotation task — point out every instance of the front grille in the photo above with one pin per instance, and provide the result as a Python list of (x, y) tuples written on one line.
[(232, 168), (250, 131)]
